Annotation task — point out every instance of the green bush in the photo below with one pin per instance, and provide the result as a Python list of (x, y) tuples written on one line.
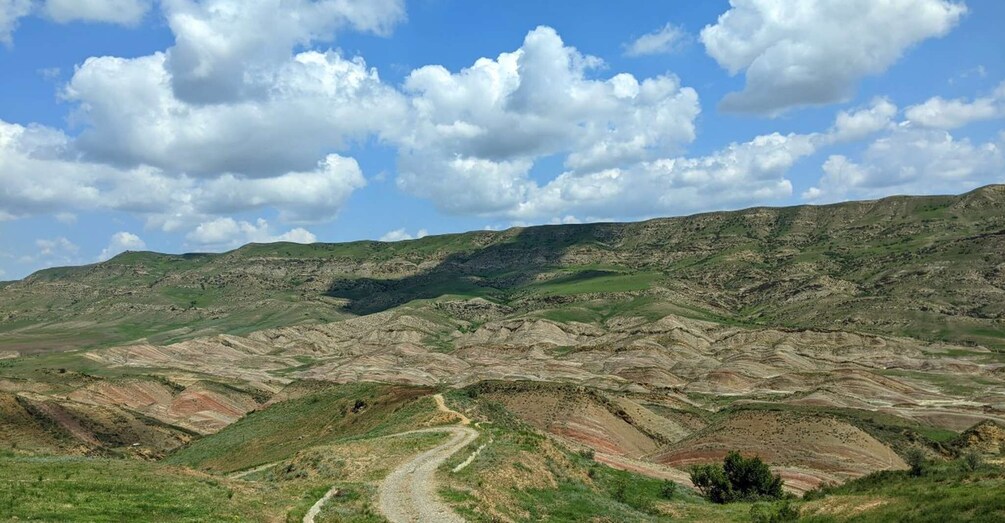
[(971, 460), (764, 513), (711, 481), (738, 478), (916, 458), (668, 489)]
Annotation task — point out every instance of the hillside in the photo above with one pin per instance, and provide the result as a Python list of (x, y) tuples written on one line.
[(925, 267), (597, 363)]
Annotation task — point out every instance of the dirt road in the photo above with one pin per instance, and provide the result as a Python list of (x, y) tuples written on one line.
[(408, 494)]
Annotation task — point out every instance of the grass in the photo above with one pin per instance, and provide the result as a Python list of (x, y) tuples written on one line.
[(85, 489), (594, 281), (944, 493), (523, 476), (328, 414), (895, 431)]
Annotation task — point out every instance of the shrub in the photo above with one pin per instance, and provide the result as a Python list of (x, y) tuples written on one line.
[(971, 460), (620, 491), (763, 513), (711, 481), (916, 458), (820, 492), (668, 489), (738, 478)]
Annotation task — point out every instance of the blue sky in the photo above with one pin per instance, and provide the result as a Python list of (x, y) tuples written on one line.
[(184, 125)]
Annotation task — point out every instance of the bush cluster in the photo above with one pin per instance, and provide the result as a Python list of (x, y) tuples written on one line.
[(737, 479)]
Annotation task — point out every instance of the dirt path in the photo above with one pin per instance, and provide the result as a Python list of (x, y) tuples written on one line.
[(316, 508), (244, 473), (408, 494), (441, 405)]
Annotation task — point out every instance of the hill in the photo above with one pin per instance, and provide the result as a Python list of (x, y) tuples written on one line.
[(926, 267)]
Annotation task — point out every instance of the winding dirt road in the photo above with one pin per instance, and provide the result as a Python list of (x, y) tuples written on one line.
[(408, 494)]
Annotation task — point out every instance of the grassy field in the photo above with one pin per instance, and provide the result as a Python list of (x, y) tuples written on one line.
[(324, 415), (85, 489), (945, 492)]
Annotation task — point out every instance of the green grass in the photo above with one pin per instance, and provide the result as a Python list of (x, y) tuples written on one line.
[(84, 489), (320, 416), (594, 281), (516, 459), (944, 493)]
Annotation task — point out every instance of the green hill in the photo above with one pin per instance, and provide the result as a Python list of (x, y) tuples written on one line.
[(927, 267)]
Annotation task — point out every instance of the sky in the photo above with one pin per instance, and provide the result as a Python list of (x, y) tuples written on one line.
[(201, 125)]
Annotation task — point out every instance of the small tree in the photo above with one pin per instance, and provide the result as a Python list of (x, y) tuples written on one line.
[(916, 459), (738, 478), (751, 478), (711, 481)]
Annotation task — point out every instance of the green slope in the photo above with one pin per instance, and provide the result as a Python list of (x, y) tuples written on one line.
[(927, 267)]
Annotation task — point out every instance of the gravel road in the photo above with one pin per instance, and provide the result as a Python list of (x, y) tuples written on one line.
[(408, 494)]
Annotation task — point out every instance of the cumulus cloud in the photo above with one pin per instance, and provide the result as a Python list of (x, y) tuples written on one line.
[(124, 12), (144, 148), (814, 52), (121, 242), (398, 235), (940, 113), (227, 50), (859, 124), (52, 252), (56, 246), (167, 200), (665, 40), (10, 12), (910, 160), (316, 102), (474, 136), (227, 233), (739, 174)]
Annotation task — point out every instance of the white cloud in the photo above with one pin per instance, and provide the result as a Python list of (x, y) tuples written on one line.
[(665, 40), (940, 113), (229, 50), (121, 242), (814, 52), (739, 174), (474, 136), (52, 252), (168, 201), (227, 233), (398, 235), (856, 125), (315, 102), (124, 12), (910, 160), (10, 12), (56, 246)]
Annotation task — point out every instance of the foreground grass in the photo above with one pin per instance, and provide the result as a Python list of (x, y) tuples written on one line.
[(85, 489), (945, 492), (329, 414)]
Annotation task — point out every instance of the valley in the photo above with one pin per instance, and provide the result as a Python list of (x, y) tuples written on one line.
[(596, 364)]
